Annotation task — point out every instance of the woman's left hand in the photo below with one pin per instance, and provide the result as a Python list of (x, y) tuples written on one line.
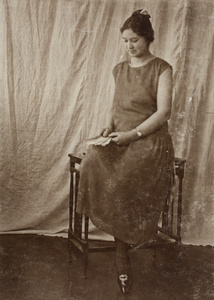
[(123, 138)]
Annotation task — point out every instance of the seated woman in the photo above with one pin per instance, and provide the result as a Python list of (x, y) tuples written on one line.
[(123, 185)]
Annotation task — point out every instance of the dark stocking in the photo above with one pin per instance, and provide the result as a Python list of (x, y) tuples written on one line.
[(122, 257), (123, 266)]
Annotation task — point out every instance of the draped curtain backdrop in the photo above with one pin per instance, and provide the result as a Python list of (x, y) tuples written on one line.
[(56, 72)]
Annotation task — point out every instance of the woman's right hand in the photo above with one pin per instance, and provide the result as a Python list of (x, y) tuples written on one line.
[(106, 131)]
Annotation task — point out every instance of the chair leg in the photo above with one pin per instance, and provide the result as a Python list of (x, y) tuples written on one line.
[(69, 252), (154, 256), (85, 260)]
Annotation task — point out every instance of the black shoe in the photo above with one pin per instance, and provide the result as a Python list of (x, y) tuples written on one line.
[(125, 282)]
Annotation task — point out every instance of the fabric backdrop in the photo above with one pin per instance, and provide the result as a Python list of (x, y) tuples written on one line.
[(56, 62)]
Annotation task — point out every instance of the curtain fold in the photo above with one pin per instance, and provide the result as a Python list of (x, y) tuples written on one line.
[(56, 59)]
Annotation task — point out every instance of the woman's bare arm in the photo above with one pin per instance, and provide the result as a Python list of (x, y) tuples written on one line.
[(108, 128), (164, 105)]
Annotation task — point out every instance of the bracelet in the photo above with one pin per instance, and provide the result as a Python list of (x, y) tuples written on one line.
[(139, 133)]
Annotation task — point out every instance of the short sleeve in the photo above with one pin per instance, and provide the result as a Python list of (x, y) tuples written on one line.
[(163, 65), (115, 70)]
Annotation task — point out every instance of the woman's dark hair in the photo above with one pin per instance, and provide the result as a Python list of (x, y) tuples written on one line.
[(139, 22)]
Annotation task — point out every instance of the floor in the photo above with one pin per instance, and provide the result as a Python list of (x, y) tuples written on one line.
[(36, 267)]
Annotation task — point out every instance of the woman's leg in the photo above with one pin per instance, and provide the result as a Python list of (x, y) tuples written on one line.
[(123, 266), (122, 258)]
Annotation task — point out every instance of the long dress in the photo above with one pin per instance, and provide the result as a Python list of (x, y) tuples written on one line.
[(123, 188)]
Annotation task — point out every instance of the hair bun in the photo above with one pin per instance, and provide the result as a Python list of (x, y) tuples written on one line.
[(142, 12)]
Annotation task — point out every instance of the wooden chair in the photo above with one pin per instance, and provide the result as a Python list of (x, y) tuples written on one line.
[(168, 228)]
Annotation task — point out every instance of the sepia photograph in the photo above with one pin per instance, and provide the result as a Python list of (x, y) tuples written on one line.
[(106, 149)]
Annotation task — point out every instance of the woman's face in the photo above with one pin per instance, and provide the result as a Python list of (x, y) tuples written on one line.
[(136, 45)]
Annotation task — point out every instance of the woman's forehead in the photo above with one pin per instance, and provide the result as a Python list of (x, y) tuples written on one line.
[(129, 34)]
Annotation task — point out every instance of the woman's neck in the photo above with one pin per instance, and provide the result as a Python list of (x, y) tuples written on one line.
[(142, 60)]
